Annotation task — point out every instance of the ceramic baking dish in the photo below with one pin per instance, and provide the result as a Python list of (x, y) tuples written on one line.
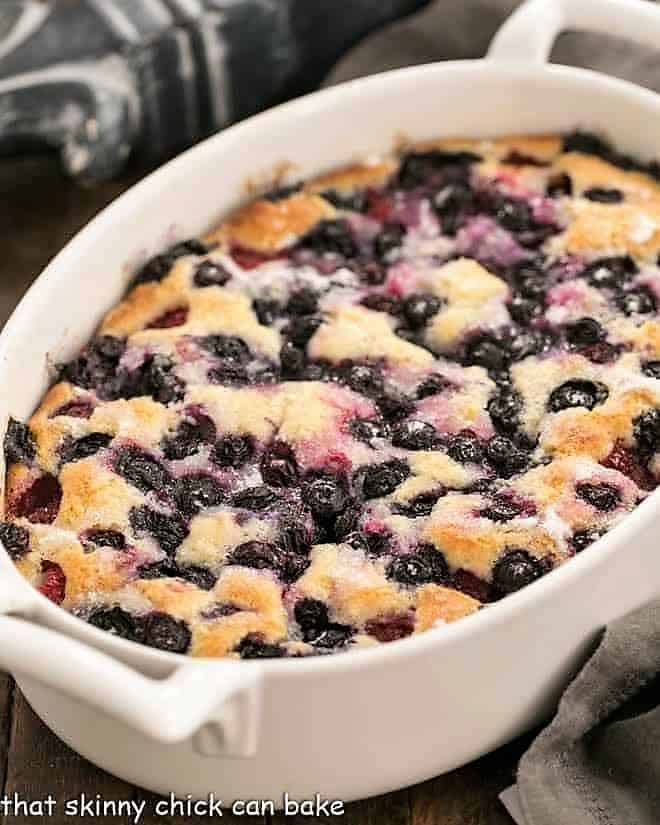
[(366, 722)]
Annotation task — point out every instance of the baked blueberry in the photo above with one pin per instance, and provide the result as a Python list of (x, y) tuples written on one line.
[(465, 447), (267, 310), (600, 194), (388, 239), (292, 361), (638, 301), (333, 636), (201, 577), (300, 329), (501, 508), (168, 531), (652, 369), (366, 379), (84, 447), (312, 616), (414, 435), (210, 273), (367, 430), (15, 539), (425, 565), (610, 273), (39, 503), (647, 431), (189, 437), (504, 409), (331, 236), (505, 456), (577, 393), (52, 581), (157, 268), (420, 307), (394, 406), (104, 538), (420, 506), (118, 622), (432, 385), (278, 465), (584, 332), (326, 496), (164, 632), (197, 491), (601, 495), (377, 480), (259, 555), (19, 444), (233, 451), (141, 470), (515, 569), (356, 201), (581, 539), (229, 347), (434, 166), (302, 302), (96, 365), (452, 204), (559, 186), (255, 498), (391, 627), (253, 646)]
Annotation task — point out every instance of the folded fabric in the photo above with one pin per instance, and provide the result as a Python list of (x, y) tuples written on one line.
[(598, 761)]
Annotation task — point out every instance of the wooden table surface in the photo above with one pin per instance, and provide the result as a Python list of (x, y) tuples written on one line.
[(39, 212)]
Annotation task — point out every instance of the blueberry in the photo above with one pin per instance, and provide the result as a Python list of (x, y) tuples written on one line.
[(77, 408), (598, 194), (639, 301), (355, 201), (505, 456), (501, 508), (379, 480), (19, 443), (228, 373), (229, 347), (294, 537), (326, 496), (465, 447), (15, 539), (278, 465), (104, 538), (610, 273), (302, 302), (647, 432), (367, 430), (259, 555), (452, 204), (393, 406), (530, 342), (156, 268), (390, 628), (420, 307), (292, 361), (424, 566), (420, 506), (188, 438), (155, 378), (164, 632), (419, 168), (523, 310), (253, 646), (84, 447), (414, 435), (292, 566), (381, 303), (331, 236), (267, 310), (97, 364), (333, 636), (577, 393), (233, 451), (117, 621), (255, 498), (432, 385), (559, 186), (366, 379), (504, 409), (201, 577), (347, 522), (197, 492), (388, 239), (312, 616), (584, 332), (652, 369), (514, 215), (141, 470), (581, 539), (528, 279), (515, 569), (169, 531), (488, 352), (300, 329), (209, 273), (602, 496), (466, 582), (167, 568)]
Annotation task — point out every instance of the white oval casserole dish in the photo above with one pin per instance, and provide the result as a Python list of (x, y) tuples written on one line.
[(366, 722)]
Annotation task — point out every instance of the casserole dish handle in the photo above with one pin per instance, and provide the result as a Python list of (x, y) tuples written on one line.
[(217, 704), (528, 35)]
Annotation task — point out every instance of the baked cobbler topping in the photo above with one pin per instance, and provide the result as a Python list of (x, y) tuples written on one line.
[(362, 407)]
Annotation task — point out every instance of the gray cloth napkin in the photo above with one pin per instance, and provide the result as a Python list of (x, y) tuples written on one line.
[(598, 762)]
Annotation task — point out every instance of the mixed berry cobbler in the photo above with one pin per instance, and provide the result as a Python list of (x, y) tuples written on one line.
[(362, 407)]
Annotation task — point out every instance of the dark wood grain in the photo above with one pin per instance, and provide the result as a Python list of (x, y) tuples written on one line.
[(39, 212)]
